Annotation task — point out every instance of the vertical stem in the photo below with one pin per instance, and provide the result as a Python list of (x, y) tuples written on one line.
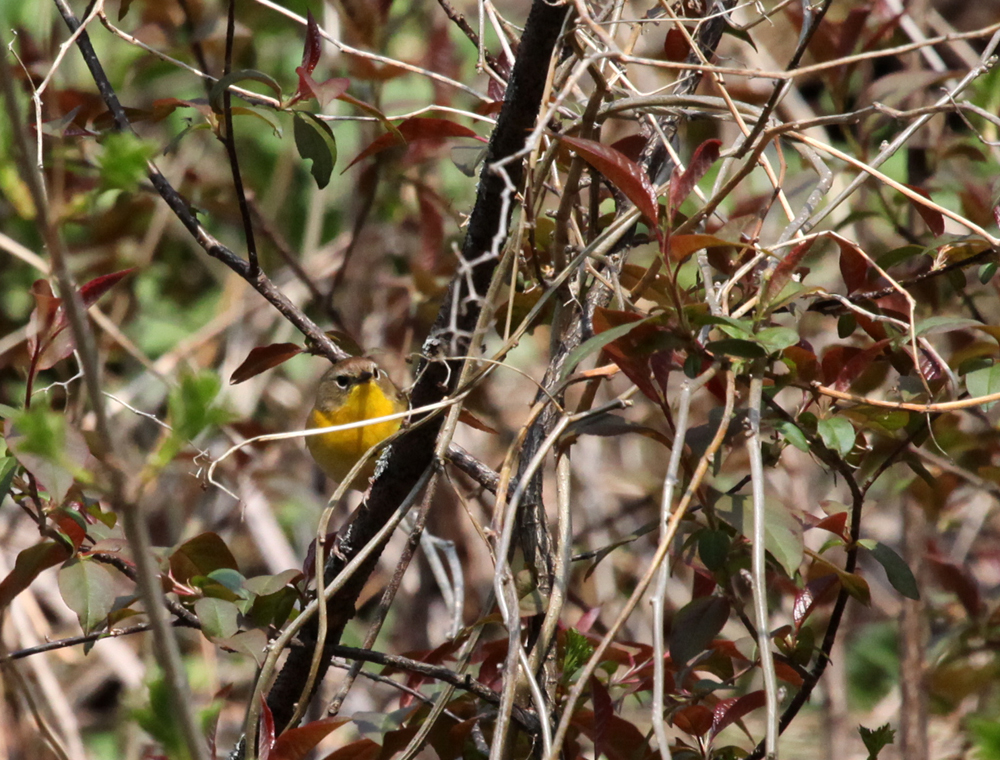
[(758, 567), (913, 635)]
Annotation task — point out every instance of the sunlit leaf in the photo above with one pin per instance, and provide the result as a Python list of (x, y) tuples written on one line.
[(837, 433), (88, 589), (217, 617), (682, 183), (984, 382), (620, 171), (263, 358)]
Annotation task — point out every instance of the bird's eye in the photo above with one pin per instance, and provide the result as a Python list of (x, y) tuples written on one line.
[(343, 381)]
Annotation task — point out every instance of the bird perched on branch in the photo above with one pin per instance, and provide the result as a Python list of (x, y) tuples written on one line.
[(352, 390)]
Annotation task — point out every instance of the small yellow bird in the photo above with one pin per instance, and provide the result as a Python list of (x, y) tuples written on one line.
[(352, 390)]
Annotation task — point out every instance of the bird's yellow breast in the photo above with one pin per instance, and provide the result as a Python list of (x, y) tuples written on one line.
[(337, 452)]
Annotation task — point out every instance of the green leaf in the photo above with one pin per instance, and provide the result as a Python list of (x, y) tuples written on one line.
[(793, 435), (190, 405), (743, 349), (775, 339), (782, 532), (695, 625), (50, 449), (837, 433), (937, 325), (123, 161), (713, 548), (578, 651), (218, 617), (984, 382), (315, 142), (7, 467), (597, 342), (159, 719), (876, 739), (896, 569), (88, 589), (244, 75), (986, 272)]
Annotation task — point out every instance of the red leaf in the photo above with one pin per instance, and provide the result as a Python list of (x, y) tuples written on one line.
[(263, 358), (695, 720), (836, 524), (627, 351), (675, 45), (853, 266), (415, 129), (296, 743), (834, 360), (29, 564), (47, 327), (806, 365), (324, 92), (631, 147), (728, 711), (932, 218), (681, 184), (815, 593), (682, 246), (603, 713), (783, 272), (314, 45), (858, 363), (93, 290), (266, 741), (620, 171), (362, 749)]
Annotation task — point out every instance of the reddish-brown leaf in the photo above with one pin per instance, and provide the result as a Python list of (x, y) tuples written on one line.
[(362, 749), (786, 267), (604, 711), (29, 563), (412, 130), (200, 556), (682, 246), (265, 741), (313, 46), (835, 523), (675, 45), (620, 171), (853, 266), (834, 360), (296, 743), (695, 720), (857, 364), (814, 593), (682, 183), (728, 711), (262, 358), (625, 350), (325, 92), (806, 364), (932, 218), (93, 290)]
